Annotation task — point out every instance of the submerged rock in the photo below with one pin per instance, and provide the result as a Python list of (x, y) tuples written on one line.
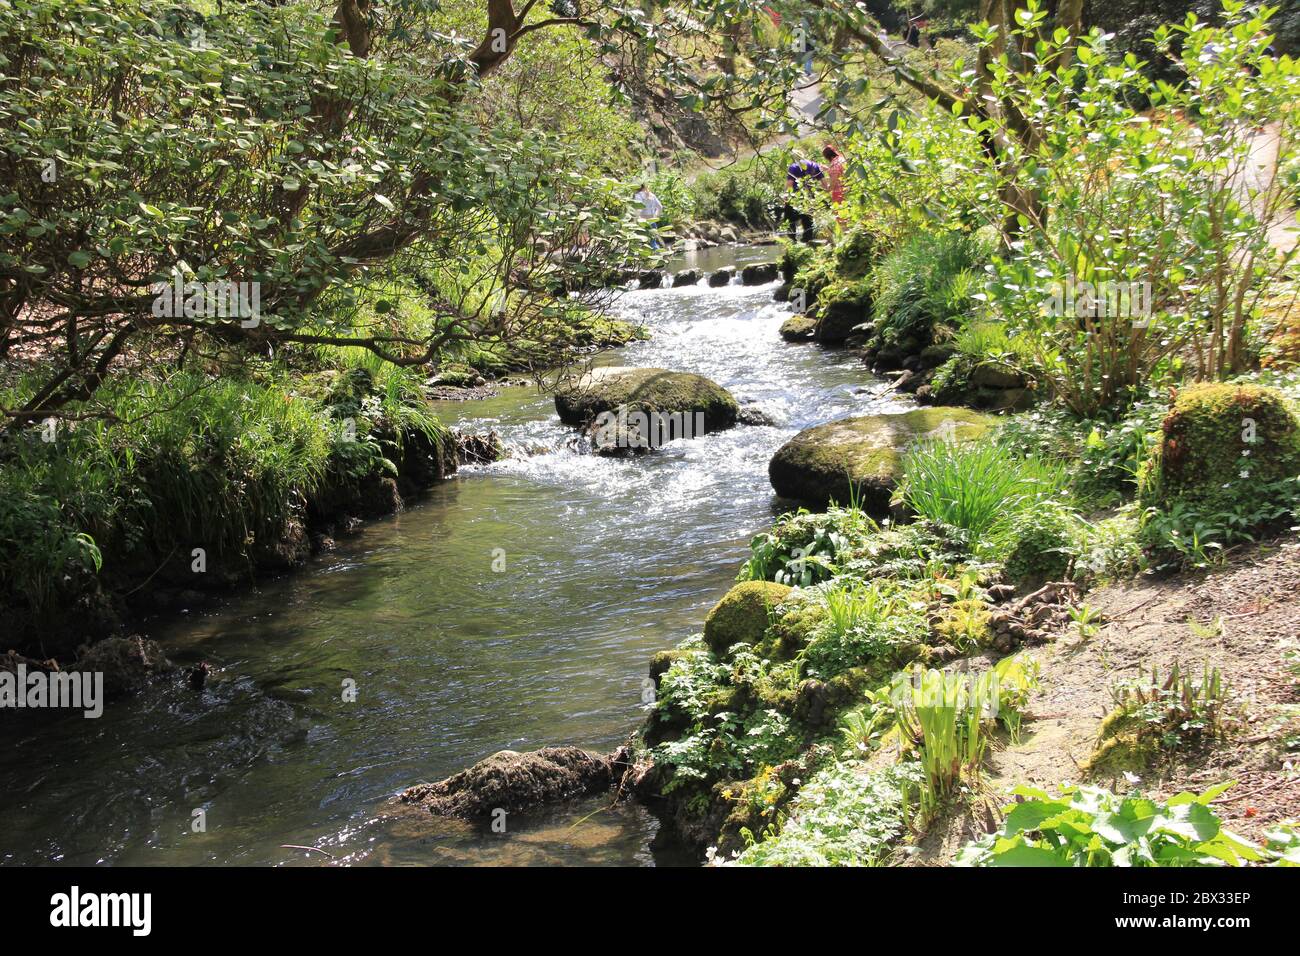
[(609, 396), (753, 415), (128, 663), (862, 456), (513, 781)]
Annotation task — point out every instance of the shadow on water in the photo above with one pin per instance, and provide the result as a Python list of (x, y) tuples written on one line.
[(600, 563)]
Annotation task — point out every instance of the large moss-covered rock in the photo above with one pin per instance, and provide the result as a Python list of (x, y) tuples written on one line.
[(743, 614), (862, 457), (646, 390), (841, 307), (1222, 443)]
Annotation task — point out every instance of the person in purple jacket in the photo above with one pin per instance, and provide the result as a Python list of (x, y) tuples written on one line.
[(802, 179)]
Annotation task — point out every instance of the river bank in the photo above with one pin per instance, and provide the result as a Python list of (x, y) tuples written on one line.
[(607, 561)]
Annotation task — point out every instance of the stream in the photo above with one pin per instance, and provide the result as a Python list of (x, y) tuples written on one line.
[(601, 563)]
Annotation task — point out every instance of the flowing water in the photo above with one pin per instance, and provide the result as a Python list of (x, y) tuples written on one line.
[(513, 607)]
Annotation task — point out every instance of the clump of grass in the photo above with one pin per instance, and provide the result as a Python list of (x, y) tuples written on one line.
[(986, 340), (1154, 715), (978, 487), (945, 717)]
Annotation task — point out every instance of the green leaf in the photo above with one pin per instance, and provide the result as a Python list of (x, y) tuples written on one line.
[(1024, 855)]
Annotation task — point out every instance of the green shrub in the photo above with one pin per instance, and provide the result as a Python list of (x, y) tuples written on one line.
[(845, 815), (1041, 543), (1090, 826), (870, 624), (929, 281), (1103, 456), (719, 740), (743, 193), (803, 548)]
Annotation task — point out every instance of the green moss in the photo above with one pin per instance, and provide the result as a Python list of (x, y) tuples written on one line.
[(662, 660), (743, 615), (856, 253), (1121, 747), (798, 328), (790, 633), (1219, 441), (965, 625), (862, 457)]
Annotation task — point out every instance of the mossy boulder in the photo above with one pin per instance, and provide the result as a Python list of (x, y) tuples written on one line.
[(792, 631), (799, 328), (515, 781), (1222, 443), (840, 308), (760, 273), (743, 615), (862, 457), (646, 390)]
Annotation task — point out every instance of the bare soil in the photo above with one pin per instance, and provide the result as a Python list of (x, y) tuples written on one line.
[(1241, 618)]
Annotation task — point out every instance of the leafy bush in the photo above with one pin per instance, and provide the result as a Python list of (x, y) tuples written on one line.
[(1104, 457), (1041, 543), (744, 194), (845, 815), (1090, 826), (863, 624), (1131, 199), (802, 548), (719, 741)]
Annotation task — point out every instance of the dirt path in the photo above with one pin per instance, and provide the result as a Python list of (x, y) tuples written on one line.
[(1260, 175), (1241, 619)]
